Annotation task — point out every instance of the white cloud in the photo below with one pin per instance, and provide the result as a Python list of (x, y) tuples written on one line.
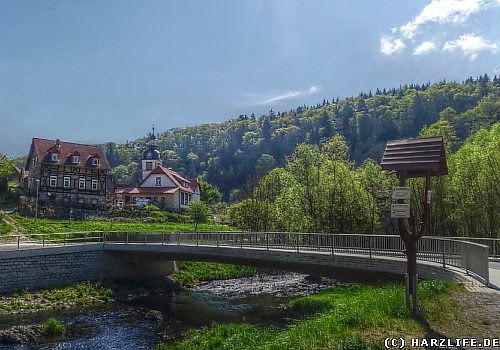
[(470, 45), (391, 46), (424, 48), (287, 95), (443, 11)]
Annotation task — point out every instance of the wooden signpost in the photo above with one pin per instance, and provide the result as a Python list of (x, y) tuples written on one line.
[(418, 157)]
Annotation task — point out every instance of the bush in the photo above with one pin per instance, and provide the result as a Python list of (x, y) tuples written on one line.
[(52, 326)]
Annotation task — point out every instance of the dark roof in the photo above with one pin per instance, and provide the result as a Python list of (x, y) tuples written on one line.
[(416, 156), (42, 148)]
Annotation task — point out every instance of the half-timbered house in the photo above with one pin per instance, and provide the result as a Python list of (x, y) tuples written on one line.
[(67, 174)]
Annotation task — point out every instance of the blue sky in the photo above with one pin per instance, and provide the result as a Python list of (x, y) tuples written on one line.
[(97, 71)]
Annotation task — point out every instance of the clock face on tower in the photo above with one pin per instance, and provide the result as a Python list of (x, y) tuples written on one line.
[(149, 154)]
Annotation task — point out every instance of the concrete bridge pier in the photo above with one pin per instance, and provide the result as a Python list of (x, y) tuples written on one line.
[(136, 266)]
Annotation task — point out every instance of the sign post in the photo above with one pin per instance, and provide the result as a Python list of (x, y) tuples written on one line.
[(411, 158)]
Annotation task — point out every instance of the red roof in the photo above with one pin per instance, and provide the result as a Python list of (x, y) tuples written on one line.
[(176, 178), (193, 184), (43, 148)]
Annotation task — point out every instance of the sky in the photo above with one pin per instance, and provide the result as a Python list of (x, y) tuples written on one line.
[(94, 71)]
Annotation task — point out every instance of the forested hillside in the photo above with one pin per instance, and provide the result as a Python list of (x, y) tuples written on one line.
[(320, 190), (230, 153)]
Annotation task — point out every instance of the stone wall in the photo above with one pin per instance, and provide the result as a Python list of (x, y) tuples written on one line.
[(54, 267)]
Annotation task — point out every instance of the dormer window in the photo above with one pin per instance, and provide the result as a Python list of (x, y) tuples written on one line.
[(95, 161), (76, 159), (55, 157)]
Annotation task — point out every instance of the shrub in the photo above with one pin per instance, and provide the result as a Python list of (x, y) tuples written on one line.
[(52, 326)]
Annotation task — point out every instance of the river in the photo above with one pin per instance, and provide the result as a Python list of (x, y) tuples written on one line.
[(124, 325)]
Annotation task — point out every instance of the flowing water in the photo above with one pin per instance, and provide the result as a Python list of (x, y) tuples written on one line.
[(123, 325)]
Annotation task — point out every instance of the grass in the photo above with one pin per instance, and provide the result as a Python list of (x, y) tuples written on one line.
[(190, 274), (353, 317), (33, 226), (5, 228), (52, 327), (81, 294)]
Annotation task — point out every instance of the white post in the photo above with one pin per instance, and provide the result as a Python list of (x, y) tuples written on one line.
[(36, 204)]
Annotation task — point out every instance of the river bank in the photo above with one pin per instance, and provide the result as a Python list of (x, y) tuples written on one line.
[(346, 317), (145, 321)]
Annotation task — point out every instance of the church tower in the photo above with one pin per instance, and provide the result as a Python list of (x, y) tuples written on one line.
[(151, 157)]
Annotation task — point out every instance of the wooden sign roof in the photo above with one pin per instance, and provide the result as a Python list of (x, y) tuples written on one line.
[(416, 156)]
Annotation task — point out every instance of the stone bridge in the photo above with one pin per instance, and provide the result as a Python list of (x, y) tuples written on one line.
[(44, 261)]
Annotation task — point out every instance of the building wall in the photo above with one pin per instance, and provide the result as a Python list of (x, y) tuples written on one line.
[(64, 196), (151, 181), (144, 172)]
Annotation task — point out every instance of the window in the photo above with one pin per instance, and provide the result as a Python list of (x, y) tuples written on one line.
[(55, 157), (76, 159), (149, 165), (95, 161), (158, 181), (184, 198), (94, 185), (67, 182), (81, 183), (53, 181)]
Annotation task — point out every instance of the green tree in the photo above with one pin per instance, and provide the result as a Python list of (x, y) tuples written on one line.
[(198, 212), (210, 194), (336, 148), (6, 170)]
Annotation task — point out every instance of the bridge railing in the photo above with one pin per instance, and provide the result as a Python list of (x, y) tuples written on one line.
[(463, 254), (493, 243)]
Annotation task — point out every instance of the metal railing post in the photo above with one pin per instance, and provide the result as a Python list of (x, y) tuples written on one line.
[(18, 242), (178, 238), (333, 243), (43, 242), (197, 239), (444, 254), (267, 240), (127, 238), (370, 246), (162, 238), (298, 249), (218, 234)]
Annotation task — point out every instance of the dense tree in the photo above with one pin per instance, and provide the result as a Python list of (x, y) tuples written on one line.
[(210, 194), (312, 194)]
